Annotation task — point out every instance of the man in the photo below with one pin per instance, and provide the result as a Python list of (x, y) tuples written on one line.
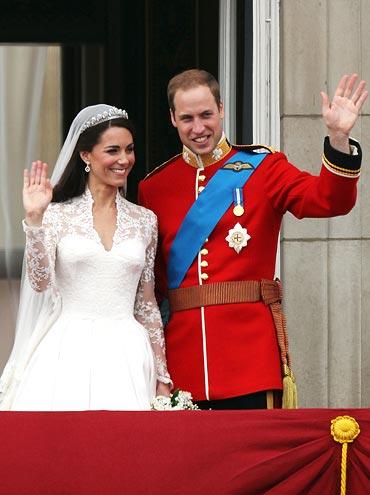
[(219, 208)]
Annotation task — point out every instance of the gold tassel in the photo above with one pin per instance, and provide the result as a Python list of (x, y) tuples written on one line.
[(290, 398)]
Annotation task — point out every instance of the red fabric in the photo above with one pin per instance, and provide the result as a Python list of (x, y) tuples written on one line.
[(180, 453), (237, 341)]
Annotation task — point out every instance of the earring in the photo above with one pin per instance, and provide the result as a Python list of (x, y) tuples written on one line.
[(87, 168)]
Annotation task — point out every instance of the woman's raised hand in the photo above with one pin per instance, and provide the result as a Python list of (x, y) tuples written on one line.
[(37, 192)]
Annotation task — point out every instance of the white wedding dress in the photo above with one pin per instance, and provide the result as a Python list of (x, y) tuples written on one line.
[(106, 348)]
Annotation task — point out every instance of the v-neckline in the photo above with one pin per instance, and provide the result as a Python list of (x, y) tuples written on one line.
[(96, 233), (100, 239)]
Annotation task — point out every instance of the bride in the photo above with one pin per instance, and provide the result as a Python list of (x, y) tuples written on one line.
[(89, 333)]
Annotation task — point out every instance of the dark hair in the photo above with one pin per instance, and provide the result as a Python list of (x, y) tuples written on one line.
[(74, 178), (190, 79)]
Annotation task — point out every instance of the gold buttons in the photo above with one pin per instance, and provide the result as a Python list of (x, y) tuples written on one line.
[(202, 178), (204, 251), (204, 276), (204, 263), (200, 188)]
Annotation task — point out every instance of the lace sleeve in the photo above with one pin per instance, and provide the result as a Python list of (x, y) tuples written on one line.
[(146, 310), (40, 255)]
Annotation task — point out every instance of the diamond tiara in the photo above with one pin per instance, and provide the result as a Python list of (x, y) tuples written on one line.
[(112, 113)]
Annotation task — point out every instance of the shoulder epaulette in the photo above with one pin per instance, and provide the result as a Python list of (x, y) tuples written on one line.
[(160, 167), (255, 147)]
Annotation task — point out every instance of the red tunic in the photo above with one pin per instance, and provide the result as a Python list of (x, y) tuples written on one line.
[(229, 350)]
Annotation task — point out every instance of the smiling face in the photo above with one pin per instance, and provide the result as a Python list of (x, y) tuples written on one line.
[(111, 159), (198, 119)]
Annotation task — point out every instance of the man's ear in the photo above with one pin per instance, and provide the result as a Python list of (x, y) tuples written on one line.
[(173, 120), (221, 109)]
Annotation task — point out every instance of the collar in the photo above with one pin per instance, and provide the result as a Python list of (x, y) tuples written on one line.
[(201, 161), (87, 196)]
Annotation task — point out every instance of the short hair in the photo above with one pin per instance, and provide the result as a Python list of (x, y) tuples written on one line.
[(190, 79)]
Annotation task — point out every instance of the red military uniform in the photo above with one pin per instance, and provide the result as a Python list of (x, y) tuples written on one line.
[(227, 350)]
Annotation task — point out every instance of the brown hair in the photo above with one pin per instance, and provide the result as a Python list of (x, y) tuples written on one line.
[(190, 79)]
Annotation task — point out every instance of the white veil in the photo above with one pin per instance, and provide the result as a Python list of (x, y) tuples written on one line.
[(38, 310)]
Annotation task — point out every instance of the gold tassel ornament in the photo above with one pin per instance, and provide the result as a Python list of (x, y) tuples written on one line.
[(290, 397), (344, 429), (273, 297)]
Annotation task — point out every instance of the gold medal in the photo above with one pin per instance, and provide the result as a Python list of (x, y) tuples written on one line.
[(238, 210)]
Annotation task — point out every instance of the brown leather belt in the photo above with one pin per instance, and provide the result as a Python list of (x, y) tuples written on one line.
[(268, 291)]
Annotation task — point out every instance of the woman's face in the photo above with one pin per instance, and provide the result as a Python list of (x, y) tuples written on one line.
[(112, 158)]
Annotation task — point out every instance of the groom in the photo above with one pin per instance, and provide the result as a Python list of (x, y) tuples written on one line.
[(219, 208)]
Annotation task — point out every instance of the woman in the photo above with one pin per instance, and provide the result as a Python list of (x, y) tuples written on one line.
[(93, 339)]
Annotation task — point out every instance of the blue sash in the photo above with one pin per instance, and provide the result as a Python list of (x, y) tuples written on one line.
[(206, 212)]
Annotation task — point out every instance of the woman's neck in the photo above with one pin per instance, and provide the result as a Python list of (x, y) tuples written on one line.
[(103, 196)]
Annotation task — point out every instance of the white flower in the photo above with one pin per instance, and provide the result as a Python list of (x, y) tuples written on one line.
[(161, 403), (178, 401)]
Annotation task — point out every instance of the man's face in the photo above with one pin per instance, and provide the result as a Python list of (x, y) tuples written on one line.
[(198, 119)]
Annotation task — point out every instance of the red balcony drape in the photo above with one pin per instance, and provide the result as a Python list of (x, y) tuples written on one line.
[(279, 452)]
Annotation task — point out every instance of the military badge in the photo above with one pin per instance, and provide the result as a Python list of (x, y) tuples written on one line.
[(238, 209), (238, 237)]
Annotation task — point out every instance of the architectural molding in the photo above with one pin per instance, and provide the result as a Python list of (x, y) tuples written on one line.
[(266, 94), (227, 64), (266, 88)]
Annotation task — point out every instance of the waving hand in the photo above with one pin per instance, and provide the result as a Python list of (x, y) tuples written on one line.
[(341, 113), (37, 192)]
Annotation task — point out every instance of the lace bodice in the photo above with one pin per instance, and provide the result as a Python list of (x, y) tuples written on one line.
[(67, 256)]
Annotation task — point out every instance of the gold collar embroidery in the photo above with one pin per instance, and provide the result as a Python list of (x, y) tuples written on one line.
[(200, 161)]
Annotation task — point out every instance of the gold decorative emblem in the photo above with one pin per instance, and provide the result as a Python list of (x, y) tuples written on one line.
[(237, 166), (238, 237), (344, 429)]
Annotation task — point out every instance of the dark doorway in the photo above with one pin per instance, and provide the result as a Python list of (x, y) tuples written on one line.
[(244, 72), (121, 53)]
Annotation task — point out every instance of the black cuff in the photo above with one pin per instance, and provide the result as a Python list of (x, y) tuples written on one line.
[(342, 163)]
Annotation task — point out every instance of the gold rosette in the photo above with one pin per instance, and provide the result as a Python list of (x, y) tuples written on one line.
[(344, 429)]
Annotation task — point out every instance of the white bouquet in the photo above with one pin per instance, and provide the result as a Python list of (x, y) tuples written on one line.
[(177, 401)]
